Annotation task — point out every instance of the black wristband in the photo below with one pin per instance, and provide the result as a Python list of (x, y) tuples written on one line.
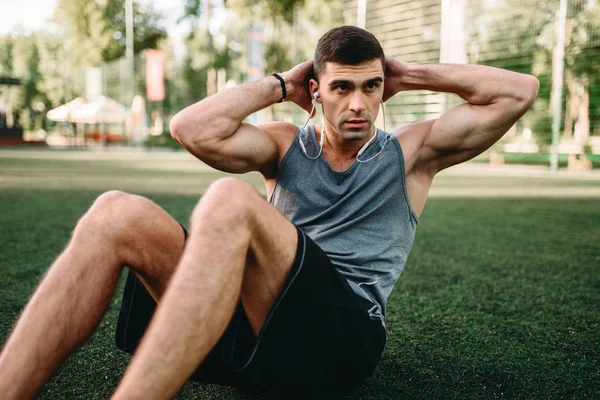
[(282, 86)]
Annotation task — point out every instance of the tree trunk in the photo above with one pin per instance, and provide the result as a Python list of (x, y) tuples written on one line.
[(571, 106), (582, 127)]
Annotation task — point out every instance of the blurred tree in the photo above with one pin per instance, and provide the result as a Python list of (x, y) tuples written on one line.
[(6, 50), (521, 36), (582, 70), (96, 29), (147, 34), (205, 52), (85, 29), (82, 34), (287, 23), (219, 40), (191, 13), (266, 10), (55, 82), (29, 101)]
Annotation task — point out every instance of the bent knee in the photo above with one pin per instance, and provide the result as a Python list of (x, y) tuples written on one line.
[(112, 204), (230, 187), (226, 199), (114, 213), (109, 200)]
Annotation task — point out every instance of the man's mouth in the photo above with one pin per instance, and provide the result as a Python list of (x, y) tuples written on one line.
[(356, 123)]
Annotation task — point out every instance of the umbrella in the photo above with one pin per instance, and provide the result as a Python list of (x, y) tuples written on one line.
[(104, 110), (62, 113)]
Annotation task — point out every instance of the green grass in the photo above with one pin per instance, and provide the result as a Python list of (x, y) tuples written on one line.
[(538, 158), (500, 297)]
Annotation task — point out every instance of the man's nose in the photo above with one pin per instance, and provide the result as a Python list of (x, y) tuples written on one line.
[(357, 103)]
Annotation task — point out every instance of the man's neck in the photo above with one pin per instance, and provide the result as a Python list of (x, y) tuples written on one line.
[(336, 146)]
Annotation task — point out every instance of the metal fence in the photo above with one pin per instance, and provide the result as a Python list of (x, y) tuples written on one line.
[(519, 35)]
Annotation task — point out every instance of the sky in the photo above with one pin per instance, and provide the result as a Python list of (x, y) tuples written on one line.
[(31, 14), (28, 14)]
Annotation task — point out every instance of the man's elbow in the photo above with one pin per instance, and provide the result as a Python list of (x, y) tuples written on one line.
[(529, 91), (176, 128), (184, 129)]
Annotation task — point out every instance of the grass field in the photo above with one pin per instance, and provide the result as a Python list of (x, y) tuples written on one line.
[(500, 297)]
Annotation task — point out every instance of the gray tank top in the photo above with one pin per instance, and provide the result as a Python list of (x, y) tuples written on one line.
[(360, 217)]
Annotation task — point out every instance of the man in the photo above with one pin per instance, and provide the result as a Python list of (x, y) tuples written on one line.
[(287, 297)]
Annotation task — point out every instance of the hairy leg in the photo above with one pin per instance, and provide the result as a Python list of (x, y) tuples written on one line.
[(239, 245), (73, 296)]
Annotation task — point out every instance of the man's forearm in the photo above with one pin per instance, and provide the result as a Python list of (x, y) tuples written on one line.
[(479, 85), (220, 115)]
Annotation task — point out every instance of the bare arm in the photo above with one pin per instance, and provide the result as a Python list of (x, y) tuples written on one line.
[(496, 99), (213, 131)]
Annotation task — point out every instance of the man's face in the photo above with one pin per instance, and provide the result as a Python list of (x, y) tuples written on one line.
[(350, 95)]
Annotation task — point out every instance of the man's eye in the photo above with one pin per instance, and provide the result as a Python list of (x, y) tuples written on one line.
[(371, 86), (341, 88)]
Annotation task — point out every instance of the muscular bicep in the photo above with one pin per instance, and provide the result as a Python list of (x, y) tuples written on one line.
[(467, 130), (250, 148)]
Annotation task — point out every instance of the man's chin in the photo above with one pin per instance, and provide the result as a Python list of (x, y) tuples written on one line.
[(355, 134)]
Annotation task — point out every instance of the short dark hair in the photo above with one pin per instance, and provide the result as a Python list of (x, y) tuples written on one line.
[(346, 45)]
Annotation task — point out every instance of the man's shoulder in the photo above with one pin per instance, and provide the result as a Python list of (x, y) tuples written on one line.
[(412, 138), (278, 127), (279, 131), (282, 134)]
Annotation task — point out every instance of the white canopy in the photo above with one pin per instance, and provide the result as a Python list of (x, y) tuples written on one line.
[(104, 110), (62, 113)]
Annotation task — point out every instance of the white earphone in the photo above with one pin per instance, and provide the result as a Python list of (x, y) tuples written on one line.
[(314, 105), (362, 149), (322, 140)]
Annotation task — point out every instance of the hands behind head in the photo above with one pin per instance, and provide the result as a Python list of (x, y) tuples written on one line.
[(297, 84), (394, 71)]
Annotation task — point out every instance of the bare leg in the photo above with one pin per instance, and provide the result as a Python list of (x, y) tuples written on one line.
[(238, 245), (73, 296)]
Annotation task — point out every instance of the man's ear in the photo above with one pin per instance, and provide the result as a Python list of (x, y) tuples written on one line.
[(313, 86)]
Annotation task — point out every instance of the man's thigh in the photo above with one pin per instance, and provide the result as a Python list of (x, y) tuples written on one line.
[(317, 335), (271, 255), (271, 252)]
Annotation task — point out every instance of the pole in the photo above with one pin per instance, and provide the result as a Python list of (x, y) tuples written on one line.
[(557, 82), (129, 55), (361, 14)]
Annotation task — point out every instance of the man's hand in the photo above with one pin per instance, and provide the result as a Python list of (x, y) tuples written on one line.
[(296, 84), (394, 72)]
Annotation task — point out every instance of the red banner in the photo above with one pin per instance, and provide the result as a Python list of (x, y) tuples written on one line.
[(155, 87)]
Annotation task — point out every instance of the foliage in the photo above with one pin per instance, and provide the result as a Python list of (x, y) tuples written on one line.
[(85, 30), (191, 12), (55, 71), (521, 36), (96, 30), (51, 62), (266, 10), (28, 100), (6, 51), (286, 24), (147, 34)]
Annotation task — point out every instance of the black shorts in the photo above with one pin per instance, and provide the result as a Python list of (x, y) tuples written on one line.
[(318, 339)]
